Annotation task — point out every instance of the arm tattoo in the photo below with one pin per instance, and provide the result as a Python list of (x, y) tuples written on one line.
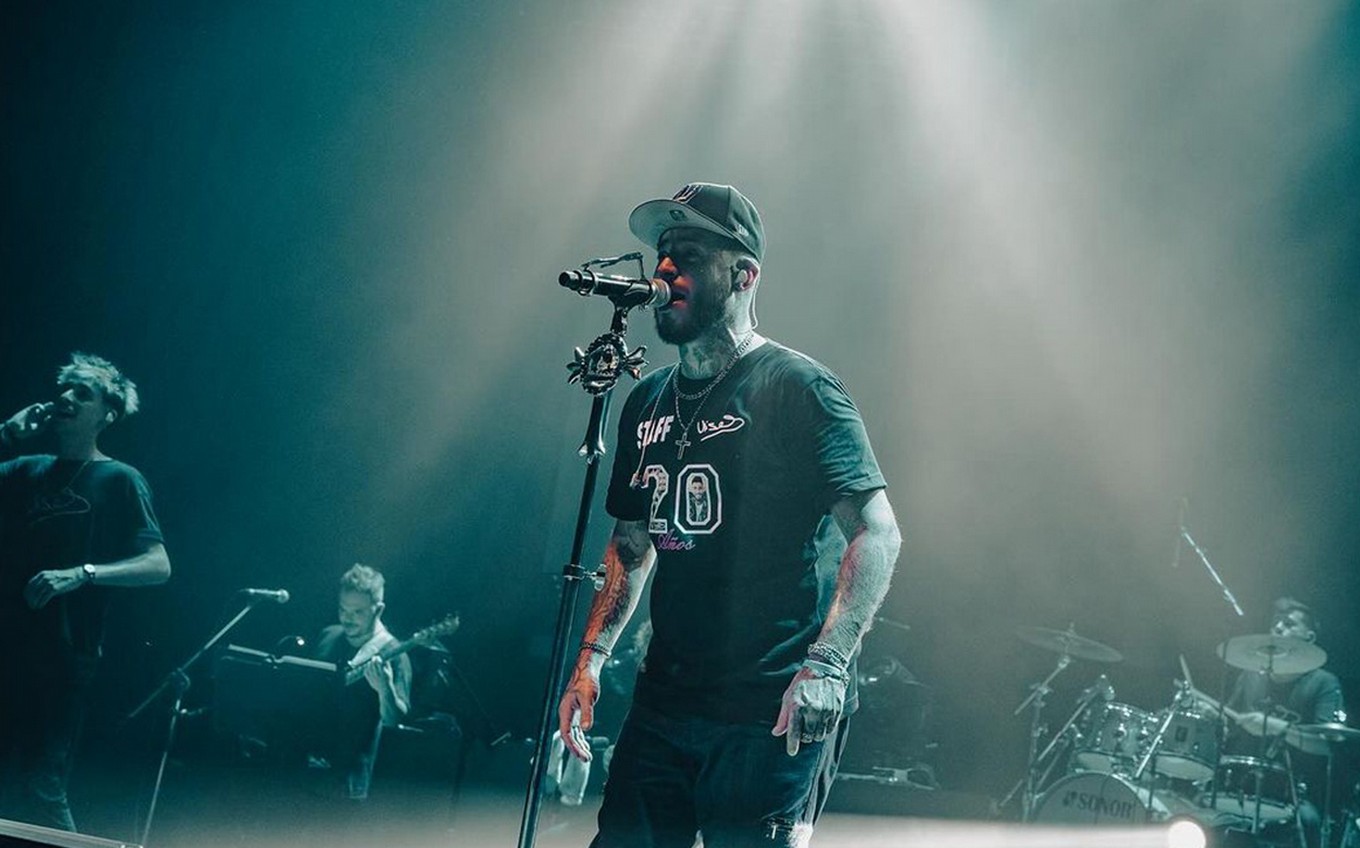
[(866, 569), (628, 560)]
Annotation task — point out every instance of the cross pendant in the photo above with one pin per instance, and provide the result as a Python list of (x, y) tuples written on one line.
[(682, 443)]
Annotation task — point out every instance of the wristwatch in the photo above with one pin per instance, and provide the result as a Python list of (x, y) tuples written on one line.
[(88, 570)]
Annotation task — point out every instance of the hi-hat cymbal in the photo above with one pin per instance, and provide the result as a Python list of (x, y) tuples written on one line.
[(1319, 738), (1069, 643), (1268, 652)]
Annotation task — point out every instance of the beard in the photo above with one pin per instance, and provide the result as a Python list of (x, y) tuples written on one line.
[(702, 312)]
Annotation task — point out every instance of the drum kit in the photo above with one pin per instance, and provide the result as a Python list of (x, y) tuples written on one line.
[(1116, 763)]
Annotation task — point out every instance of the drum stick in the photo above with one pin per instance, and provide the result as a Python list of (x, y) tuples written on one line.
[(1185, 669)]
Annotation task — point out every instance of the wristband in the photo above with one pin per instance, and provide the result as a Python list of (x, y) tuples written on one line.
[(829, 654), (595, 648), (827, 670)]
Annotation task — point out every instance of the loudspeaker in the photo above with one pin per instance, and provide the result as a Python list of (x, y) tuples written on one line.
[(15, 834)]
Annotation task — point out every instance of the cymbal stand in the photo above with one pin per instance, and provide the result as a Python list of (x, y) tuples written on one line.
[(1268, 750), (1327, 802), (1150, 756), (1038, 692), (1294, 796), (1061, 737)]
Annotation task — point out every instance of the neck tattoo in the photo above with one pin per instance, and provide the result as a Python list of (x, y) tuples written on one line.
[(701, 395)]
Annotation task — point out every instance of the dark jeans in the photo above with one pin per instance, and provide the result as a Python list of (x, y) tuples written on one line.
[(40, 721), (674, 776)]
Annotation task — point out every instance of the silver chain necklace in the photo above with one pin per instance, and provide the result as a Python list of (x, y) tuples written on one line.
[(701, 395)]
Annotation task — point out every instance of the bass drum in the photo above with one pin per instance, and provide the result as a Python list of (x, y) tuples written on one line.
[(1092, 798)]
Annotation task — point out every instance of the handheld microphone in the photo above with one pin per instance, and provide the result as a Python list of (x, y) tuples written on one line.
[(278, 596), (625, 292)]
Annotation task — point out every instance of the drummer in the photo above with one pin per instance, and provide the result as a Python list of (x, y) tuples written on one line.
[(1311, 697), (1268, 703)]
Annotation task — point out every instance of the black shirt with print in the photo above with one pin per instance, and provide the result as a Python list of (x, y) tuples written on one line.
[(747, 551), (61, 513)]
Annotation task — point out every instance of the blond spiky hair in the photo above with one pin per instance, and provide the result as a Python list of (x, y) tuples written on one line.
[(119, 391)]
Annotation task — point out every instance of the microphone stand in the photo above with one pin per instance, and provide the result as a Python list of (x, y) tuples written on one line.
[(178, 682), (597, 369), (1223, 678)]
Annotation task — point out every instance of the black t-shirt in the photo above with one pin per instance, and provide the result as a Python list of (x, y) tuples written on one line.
[(359, 712), (60, 513), (1312, 698), (355, 732), (356, 723), (740, 523)]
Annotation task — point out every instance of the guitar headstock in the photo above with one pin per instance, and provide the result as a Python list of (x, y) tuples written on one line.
[(444, 627)]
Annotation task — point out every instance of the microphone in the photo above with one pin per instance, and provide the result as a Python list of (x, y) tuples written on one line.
[(38, 416), (625, 292), (278, 596)]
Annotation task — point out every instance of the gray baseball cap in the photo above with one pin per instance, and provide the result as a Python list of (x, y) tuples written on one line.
[(717, 208)]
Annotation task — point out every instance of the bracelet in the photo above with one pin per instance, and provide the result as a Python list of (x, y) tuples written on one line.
[(827, 670), (595, 648), (829, 654)]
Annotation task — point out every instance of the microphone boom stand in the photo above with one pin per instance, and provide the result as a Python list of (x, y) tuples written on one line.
[(1222, 724), (178, 681), (597, 369)]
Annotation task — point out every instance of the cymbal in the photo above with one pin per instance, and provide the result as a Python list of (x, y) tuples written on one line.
[(1319, 738), (1268, 652), (1069, 643)]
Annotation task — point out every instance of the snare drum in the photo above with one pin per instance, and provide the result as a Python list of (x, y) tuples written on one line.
[(1242, 781), (1190, 746), (1112, 738)]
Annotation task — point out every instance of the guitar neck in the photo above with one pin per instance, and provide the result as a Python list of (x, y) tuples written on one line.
[(386, 654), (392, 650)]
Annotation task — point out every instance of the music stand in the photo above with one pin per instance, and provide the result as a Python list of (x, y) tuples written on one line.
[(287, 703)]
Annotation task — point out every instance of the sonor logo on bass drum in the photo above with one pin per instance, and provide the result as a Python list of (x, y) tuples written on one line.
[(1113, 807)]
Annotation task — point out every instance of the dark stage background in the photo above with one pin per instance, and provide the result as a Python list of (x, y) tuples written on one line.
[(1075, 262)]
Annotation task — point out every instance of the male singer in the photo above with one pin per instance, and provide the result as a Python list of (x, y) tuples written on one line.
[(736, 469), (72, 525)]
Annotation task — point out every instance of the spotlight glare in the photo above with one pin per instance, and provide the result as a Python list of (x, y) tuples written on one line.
[(1184, 833)]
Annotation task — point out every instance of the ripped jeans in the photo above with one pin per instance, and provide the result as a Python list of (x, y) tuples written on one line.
[(734, 784)]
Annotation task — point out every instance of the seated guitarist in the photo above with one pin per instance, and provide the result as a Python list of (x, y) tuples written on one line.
[(384, 696)]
